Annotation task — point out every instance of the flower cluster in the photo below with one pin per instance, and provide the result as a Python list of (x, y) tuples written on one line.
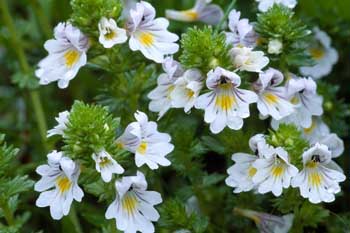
[(133, 207), (270, 169)]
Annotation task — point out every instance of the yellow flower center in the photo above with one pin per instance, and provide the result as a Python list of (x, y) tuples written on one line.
[(317, 53), (170, 90), (271, 98), (251, 171), (142, 148), (315, 179), (104, 162), (311, 128), (190, 93), (191, 15), (295, 100), (63, 183), (110, 35), (146, 39), (129, 203), (277, 171), (71, 57)]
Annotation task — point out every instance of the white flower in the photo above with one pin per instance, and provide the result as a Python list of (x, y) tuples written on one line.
[(149, 145), (133, 207), (268, 223), (110, 33), (67, 53), (160, 97), (62, 119), (242, 172), (202, 11), (316, 131), (308, 103), (275, 46), (324, 55), (187, 89), (242, 33), (58, 184), (106, 165), (272, 97), (264, 5), (225, 104), (334, 144), (150, 35), (318, 181), (274, 172), (244, 59)]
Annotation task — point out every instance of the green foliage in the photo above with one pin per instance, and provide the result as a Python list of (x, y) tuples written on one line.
[(289, 137), (204, 49), (24, 80), (11, 186), (280, 23), (175, 216), (87, 13), (90, 129)]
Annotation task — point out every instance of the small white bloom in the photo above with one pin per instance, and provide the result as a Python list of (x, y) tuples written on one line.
[(318, 181), (303, 94), (187, 89), (225, 104), (334, 144), (274, 172), (242, 33), (272, 97), (62, 119), (268, 223), (67, 53), (110, 33), (324, 55), (149, 145), (133, 207), (242, 172), (160, 97), (264, 5), (58, 184), (150, 35), (244, 59), (316, 131), (202, 11), (275, 46), (106, 165)]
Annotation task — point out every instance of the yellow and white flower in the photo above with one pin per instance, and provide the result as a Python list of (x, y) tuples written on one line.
[(62, 120), (244, 59), (110, 33), (319, 180), (133, 207), (242, 33), (268, 223), (225, 104), (264, 5), (106, 165), (67, 54), (150, 35), (202, 11), (186, 90), (242, 172), (274, 172), (272, 97), (323, 54), (302, 93), (316, 131), (149, 145), (161, 100), (58, 184)]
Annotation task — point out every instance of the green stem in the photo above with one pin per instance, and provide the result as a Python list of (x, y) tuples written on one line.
[(224, 18), (43, 21), (7, 213), (18, 49), (73, 217)]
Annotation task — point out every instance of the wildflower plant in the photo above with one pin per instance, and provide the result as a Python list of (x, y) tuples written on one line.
[(172, 117)]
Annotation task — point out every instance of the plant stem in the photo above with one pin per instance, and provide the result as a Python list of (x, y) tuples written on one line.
[(224, 18), (41, 18), (73, 217), (7, 213), (18, 49)]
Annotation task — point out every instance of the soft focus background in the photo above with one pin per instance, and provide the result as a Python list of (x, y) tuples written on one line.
[(34, 22)]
